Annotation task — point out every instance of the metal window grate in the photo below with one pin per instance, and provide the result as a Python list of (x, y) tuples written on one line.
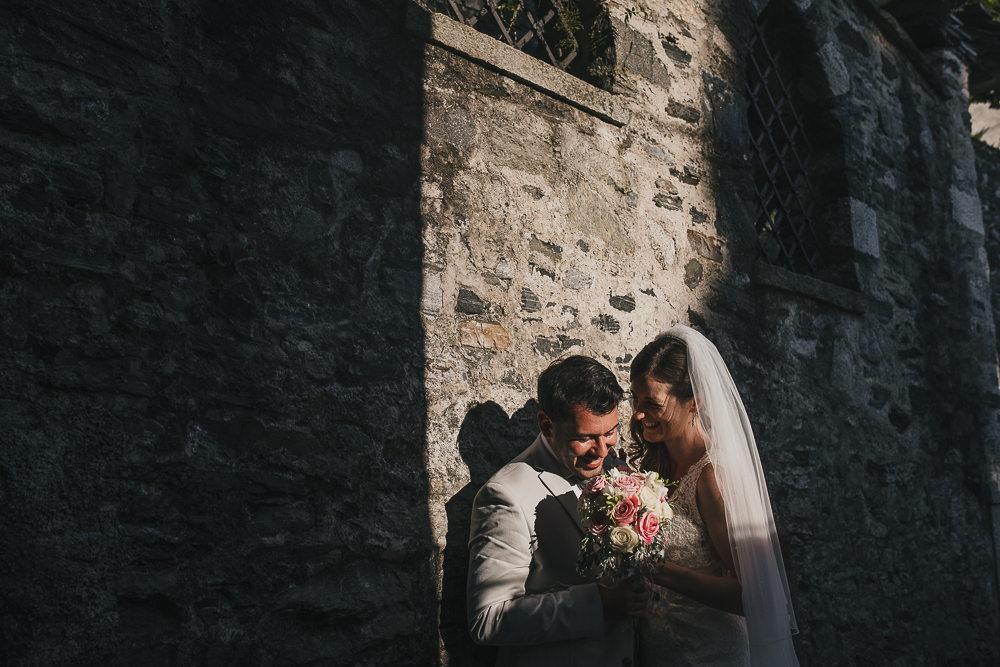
[(541, 28), (784, 198)]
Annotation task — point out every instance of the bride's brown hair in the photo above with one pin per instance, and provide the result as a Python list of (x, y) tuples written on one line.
[(664, 360)]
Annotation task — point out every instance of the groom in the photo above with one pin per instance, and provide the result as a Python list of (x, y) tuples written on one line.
[(524, 593)]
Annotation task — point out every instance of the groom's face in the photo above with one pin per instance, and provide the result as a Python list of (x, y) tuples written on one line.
[(581, 444)]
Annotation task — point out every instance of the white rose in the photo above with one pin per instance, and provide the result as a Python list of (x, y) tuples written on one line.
[(650, 499), (651, 479), (665, 512), (624, 539)]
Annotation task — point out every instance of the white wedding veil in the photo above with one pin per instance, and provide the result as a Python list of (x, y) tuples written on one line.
[(732, 450)]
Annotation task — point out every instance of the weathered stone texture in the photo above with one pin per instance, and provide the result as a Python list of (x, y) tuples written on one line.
[(988, 185), (212, 415), (277, 283)]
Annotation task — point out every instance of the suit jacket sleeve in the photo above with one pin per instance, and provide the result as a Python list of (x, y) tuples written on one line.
[(500, 613)]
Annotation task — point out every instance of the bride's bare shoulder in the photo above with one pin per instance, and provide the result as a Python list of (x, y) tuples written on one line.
[(708, 487)]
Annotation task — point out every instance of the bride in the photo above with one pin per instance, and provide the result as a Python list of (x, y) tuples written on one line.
[(722, 598)]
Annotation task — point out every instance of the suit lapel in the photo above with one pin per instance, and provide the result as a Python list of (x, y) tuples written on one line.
[(550, 475), (563, 492)]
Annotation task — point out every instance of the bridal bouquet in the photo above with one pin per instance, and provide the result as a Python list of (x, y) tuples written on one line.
[(625, 515)]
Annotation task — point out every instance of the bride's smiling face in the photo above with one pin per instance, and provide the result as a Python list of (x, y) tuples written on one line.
[(662, 414)]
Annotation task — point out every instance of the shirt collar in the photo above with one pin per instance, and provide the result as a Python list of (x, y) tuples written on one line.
[(548, 447), (574, 480)]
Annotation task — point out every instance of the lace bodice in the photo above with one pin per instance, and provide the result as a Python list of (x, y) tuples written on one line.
[(676, 630), (689, 544)]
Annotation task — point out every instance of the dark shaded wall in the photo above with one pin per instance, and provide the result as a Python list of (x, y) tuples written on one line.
[(876, 429), (211, 413), (988, 185), (988, 175)]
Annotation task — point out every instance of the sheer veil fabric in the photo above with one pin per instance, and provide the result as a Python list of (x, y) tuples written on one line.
[(733, 452)]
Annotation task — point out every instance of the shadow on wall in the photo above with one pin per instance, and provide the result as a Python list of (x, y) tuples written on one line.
[(487, 441), (212, 424)]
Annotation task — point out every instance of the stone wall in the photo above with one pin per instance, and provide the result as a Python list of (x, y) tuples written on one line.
[(277, 284), (212, 420), (988, 186)]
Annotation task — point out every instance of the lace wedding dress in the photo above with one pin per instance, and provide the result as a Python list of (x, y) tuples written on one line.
[(676, 631)]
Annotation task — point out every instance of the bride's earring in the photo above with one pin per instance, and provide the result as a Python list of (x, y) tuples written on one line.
[(693, 414)]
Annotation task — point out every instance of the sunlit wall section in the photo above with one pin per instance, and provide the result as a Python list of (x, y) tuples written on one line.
[(583, 211)]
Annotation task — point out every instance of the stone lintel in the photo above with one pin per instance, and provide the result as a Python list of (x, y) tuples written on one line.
[(774, 276), (448, 33)]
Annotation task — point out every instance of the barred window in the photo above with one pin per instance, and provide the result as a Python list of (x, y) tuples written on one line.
[(549, 30), (785, 200)]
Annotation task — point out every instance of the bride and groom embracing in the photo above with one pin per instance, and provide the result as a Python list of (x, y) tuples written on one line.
[(720, 596)]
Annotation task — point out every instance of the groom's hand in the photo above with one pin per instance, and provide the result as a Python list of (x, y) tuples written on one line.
[(621, 602)]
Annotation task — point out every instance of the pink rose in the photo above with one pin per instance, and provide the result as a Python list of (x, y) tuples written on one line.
[(624, 512), (595, 486), (629, 483), (648, 526), (598, 525)]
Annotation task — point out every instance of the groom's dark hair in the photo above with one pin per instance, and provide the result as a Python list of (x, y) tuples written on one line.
[(577, 381)]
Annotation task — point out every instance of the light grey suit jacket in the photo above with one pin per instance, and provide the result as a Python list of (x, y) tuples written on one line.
[(524, 593)]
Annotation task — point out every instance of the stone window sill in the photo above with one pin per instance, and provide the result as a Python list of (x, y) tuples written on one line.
[(450, 34), (772, 276)]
